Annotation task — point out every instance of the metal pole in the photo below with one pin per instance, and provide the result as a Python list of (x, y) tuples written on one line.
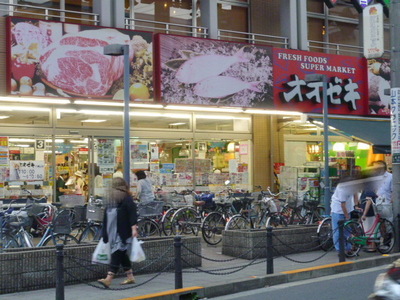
[(342, 256), (1, 233), (270, 252), (178, 262), (60, 272), (127, 166), (327, 198), (395, 83)]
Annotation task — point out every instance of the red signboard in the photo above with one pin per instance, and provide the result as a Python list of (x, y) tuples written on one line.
[(54, 59), (346, 75)]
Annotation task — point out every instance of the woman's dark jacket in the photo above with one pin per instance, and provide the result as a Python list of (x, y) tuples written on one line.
[(126, 218)]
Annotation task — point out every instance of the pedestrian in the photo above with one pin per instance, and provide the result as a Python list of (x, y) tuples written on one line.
[(144, 188), (61, 187), (343, 201), (120, 225)]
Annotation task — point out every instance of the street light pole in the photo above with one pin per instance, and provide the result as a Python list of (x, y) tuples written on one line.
[(322, 78), (118, 50)]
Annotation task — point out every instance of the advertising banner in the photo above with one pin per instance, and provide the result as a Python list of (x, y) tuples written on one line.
[(54, 59), (211, 72), (346, 76), (373, 31), (378, 82)]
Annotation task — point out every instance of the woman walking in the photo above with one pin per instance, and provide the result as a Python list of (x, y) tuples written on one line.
[(120, 225)]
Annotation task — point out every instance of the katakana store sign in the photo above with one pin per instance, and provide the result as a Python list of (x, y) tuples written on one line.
[(347, 89)]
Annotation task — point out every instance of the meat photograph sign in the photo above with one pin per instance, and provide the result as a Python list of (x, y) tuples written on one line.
[(378, 82), (54, 59), (347, 89), (198, 71)]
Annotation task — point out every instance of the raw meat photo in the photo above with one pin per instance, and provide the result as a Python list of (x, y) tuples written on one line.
[(66, 60), (210, 72)]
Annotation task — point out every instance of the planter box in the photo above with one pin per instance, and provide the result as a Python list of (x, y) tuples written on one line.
[(251, 244), (35, 268)]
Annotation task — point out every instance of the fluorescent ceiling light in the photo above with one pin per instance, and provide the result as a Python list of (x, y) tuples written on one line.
[(35, 100), (21, 140), (93, 121), (218, 117), (272, 112), (22, 145), (176, 124), (85, 141), (19, 108), (56, 140), (198, 108), (4, 117)]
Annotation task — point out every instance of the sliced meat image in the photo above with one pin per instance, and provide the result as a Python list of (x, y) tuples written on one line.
[(200, 67), (222, 86), (76, 63)]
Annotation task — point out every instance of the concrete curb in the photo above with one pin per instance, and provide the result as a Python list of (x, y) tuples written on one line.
[(257, 282)]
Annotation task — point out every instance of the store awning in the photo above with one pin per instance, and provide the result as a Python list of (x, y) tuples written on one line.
[(377, 132)]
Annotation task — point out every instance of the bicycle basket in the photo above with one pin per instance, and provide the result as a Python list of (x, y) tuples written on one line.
[(95, 213), (79, 213), (153, 208), (72, 200), (34, 209), (62, 222), (384, 209)]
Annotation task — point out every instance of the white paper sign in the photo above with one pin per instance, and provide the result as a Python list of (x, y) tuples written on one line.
[(26, 170), (373, 31)]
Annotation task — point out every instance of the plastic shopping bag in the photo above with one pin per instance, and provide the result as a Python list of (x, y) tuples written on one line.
[(102, 253), (137, 253)]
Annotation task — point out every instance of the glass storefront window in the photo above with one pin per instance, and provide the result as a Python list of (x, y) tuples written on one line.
[(179, 13), (22, 115), (212, 122), (89, 118), (153, 120)]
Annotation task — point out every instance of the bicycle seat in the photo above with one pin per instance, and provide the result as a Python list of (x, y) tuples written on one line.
[(16, 224)]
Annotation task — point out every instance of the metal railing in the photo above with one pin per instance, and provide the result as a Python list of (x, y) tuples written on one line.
[(340, 49), (49, 13), (149, 25), (253, 38)]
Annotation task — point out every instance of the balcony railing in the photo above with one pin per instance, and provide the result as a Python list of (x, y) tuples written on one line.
[(49, 13), (163, 27), (341, 49), (253, 38)]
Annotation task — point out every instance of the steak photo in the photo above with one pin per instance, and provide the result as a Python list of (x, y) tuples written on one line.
[(76, 63)]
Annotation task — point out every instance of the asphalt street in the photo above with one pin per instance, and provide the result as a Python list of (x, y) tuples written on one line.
[(357, 285)]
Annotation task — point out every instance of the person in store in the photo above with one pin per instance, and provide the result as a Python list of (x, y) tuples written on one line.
[(79, 183), (98, 183), (145, 189), (118, 172), (120, 225), (343, 201), (61, 187)]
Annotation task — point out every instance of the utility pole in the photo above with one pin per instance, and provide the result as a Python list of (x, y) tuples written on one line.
[(395, 83)]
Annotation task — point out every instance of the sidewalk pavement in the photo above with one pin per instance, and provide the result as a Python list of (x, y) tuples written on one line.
[(286, 269)]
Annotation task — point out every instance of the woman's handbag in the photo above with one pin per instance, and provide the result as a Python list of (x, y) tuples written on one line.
[(102, 253), (137, 253)]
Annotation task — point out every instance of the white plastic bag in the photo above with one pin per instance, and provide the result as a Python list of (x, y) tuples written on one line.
[(137, 253), (102, 253)]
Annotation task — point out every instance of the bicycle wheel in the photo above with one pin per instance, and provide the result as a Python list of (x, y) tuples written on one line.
[(166, 221), (276, 220), (8, 241), (77, 230), (60, 238), (184, 221), (212, 227), (352, 233), (324, 233), (384, 236), (90, 233), (237, 222), (148, 227)]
